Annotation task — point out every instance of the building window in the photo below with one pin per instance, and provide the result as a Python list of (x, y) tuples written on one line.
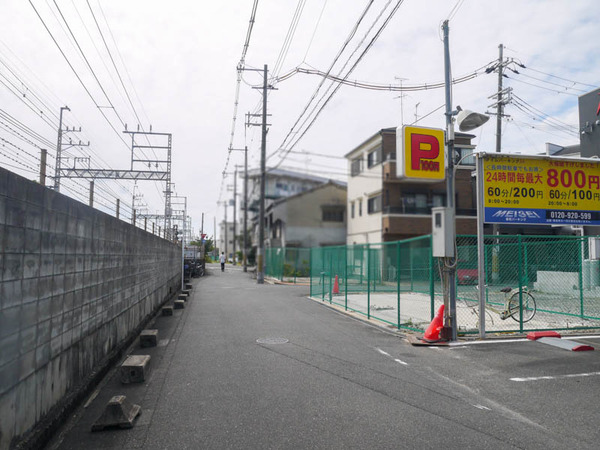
[(333, 213), (356, 166), (374, 204), (374, 157), (360, 207), (439, 200), (415, 204), (352, 209)]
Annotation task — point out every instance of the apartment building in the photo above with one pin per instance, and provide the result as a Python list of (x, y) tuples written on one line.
[(382, 207)]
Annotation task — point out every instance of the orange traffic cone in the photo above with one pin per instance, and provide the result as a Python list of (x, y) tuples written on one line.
[(432, 334), (336, 286)]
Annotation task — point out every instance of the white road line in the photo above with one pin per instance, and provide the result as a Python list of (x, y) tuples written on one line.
[(482, 407), (497, 341), (557, 377), (382, 352), (387, 354), (505, 341)]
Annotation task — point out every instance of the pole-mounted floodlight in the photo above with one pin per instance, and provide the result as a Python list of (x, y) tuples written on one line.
[(469, 120)]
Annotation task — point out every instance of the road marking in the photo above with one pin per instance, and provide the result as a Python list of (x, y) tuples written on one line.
[(382, 352), (504, 341), (498, 341), (557, 377), (482, 407), (401, 362)]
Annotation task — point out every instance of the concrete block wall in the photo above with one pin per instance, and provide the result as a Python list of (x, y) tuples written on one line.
[(74, 283)]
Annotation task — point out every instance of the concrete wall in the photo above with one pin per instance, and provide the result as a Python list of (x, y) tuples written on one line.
[(75, 284)]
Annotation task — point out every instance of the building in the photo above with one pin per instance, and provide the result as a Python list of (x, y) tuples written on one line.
[(279, 184), (313, 218), (382, 207)]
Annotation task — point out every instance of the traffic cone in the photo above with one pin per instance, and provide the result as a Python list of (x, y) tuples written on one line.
[(432, 334), (336, 286)]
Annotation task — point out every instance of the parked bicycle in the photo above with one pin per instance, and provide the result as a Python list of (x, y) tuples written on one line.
[(513, 305)]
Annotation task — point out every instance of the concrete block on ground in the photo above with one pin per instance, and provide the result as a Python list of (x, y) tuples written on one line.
[(167, 310), (119, 413), (188, 286), (149, 338), (182, 297), (185, 292), (179, 304), (186, 280), (135, 368)]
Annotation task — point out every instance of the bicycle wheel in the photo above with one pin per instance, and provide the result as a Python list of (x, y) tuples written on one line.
[(529, 307)]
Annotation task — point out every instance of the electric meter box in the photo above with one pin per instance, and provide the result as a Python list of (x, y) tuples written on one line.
[(442, 232)]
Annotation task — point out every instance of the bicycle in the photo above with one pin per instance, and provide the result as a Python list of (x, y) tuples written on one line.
[(512, 304)]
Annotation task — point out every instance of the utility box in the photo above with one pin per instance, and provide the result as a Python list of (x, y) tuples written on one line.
[(442, 232)]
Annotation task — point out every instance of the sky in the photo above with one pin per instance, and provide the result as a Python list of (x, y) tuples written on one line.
[(173, 66)]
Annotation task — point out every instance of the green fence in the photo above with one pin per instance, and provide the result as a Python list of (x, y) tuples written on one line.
[(399, 283), (290, 264)]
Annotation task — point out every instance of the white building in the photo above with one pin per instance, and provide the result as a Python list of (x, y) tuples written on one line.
[(225, 239)]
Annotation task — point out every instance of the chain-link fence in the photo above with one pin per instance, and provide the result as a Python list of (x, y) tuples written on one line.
[(288, 264), (531, 282)]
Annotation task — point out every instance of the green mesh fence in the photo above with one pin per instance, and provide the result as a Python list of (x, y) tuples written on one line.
[(291, 264), (554, 284)]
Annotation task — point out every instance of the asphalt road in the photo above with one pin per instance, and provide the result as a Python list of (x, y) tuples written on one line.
[(223, 377)]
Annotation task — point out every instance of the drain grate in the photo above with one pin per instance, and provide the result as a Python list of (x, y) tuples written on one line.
[(272, 340)]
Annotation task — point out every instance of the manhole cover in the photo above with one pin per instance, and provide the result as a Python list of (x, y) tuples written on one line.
[(272, 340)]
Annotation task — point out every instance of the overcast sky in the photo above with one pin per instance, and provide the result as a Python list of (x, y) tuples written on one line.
[(178, 59)]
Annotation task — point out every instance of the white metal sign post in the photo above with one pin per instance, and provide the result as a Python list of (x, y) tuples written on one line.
[(480, 244)]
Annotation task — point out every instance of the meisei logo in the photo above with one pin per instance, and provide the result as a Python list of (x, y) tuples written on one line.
[(516, 214)]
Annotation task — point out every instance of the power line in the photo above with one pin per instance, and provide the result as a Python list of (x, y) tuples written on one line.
[(237, 90), (350, 70), (76, 74), (540, 87), (557, 77), (288, 38), (336, 58), (79, 78), (88, 63), (379, 87)]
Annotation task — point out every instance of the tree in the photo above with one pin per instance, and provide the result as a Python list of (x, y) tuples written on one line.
[(208, 244)]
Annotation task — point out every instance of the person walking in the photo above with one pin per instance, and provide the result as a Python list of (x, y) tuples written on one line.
[(222, 259)]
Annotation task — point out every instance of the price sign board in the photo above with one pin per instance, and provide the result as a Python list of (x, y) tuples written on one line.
[(541, 190)]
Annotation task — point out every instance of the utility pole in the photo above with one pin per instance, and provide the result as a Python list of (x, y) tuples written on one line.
[(43, 158), (91, 193), (449, 272), (59, 149), (234, 211), (183, 243), (499, 115), (499, 105), (260, 275), (118, 208), (245, 208), (215, 254), (226, 243)]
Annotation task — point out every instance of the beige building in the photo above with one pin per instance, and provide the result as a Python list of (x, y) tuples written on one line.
[(382, 207), (312, 218)]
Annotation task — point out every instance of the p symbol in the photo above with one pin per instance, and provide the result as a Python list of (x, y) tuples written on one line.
[(423, 147)]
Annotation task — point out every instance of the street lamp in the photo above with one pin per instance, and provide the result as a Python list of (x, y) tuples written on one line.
[(467, 121)]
